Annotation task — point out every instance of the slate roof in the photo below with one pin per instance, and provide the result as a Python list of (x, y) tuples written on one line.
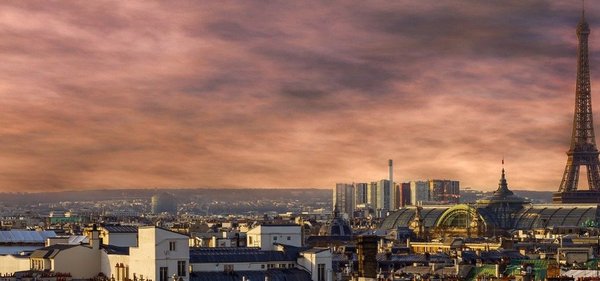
[(121, 228), (115, 250), (51, 251), (315, 250), (328, 239), (422, 270), (291, 274), (219, 255)]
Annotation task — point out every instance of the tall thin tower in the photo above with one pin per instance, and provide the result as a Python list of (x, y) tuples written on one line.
[(392, 185), (583, 150)]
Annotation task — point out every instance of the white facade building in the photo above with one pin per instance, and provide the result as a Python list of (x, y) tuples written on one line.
[(163, 255), (267, 236), (160, 255), (318, 261), (10, 264)]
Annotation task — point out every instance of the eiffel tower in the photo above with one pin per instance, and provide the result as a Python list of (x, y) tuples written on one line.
[(583, 150)]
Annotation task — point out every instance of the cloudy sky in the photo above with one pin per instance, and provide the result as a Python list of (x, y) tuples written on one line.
[(138, 94)]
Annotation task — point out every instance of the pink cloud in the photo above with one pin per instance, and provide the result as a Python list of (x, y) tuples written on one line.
[(191, 94)]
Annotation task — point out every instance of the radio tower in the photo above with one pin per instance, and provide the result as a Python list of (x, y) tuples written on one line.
[(583, 150)]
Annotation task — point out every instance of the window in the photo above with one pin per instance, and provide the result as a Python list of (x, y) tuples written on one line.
[(181, 268), (275, 238), (163, 274), (38, 264), (172, 246), (289, 238), (262, 266), (321, 272), (250, 240), (282, 265), (270, 266)]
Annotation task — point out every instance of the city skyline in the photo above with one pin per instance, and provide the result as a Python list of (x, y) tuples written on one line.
[(181, 94)]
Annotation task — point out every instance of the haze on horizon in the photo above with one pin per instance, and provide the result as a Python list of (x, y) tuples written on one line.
[(144, 94)]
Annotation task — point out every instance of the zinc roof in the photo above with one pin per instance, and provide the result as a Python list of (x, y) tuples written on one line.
[(25, 236)]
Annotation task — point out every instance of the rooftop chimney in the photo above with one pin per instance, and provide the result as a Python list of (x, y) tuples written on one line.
[(95, 239)]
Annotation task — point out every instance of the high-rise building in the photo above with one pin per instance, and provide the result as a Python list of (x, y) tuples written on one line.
[(444, 191), (404, 194), (397, 195), (372, 194), (419, 192), (343, 198), (384, 195), (392, 196), (360, 193)]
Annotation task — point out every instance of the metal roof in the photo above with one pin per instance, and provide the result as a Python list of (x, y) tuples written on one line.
[(115, 250), (220, 255), (291, 274), (121, 229), (541, 216), (16, 250), (51, 251), (25, 236), (78, 239), (402, 217)]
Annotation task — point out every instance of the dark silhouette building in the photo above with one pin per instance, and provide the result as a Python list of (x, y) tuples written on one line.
[(164, 203), (367, 256)]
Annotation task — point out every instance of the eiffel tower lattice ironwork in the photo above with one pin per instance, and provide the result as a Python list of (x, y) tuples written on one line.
[(583, 150)]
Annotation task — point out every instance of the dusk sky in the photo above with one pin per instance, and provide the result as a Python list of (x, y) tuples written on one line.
[(181, 94)]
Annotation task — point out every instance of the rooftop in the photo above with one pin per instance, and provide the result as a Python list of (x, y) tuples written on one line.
[(25, 236), (51, 251), (219, 255), (121, 228), (291, 274)]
